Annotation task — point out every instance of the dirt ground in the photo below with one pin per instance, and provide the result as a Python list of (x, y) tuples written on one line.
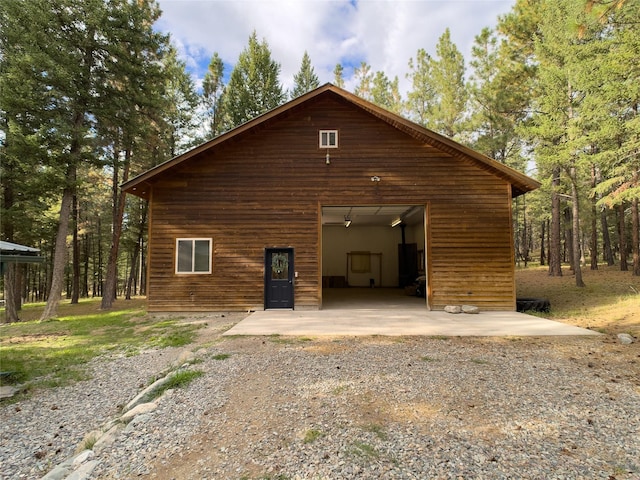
[(255, 402)]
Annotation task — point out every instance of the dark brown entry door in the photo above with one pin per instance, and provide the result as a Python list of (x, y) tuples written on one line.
[(278, 279)]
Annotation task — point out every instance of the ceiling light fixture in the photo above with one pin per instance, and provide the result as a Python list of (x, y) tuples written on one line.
[(347, 221), (396, 222)]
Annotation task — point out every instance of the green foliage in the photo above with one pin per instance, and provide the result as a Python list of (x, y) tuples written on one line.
[(363, 450), (221, 356), (212, 93), (338, 76), (386, 93), (312, 435), (55, 351), (448, 70), (498, 102), (306, 79), (254, 87), (422, 96), (178, 379), (364, 78), (376, 429)]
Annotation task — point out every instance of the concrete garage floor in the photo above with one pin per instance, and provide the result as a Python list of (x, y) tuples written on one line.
[(388, 311)]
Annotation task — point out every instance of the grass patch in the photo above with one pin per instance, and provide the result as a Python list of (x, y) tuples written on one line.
[(608, 303), (90, 442), (311, 435), (180, 379), (53, 353), (339, 390), (376, 429), (221, 356), (363, 450), (426, 358), (480, 361), (277, 338)]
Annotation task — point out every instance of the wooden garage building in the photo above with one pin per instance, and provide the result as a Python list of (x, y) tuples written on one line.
[(328, 191)]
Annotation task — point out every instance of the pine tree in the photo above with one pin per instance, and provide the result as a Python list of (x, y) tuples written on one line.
[(386, 93), (364, 79), (498, 105), (180, 101), (447, 68), (254, 87), (135, 80), (306, 79), (338, 76), (556, 124), (212, 93), (421, 98)]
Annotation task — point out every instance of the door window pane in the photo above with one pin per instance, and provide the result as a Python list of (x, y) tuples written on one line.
[(279, 266)]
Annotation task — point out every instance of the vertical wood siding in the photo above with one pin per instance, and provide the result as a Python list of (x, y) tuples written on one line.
[(265, 189)]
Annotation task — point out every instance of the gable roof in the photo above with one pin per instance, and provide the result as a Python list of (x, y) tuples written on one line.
[(521, 183)]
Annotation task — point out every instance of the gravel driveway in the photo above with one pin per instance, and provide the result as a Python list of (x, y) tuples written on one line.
[(347, 407)]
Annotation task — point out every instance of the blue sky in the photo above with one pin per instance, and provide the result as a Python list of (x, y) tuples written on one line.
[(385, 34)]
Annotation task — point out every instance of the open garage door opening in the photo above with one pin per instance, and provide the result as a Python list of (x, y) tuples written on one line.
[(374, 256)]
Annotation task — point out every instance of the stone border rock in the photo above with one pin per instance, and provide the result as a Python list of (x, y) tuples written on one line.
[(81, 465), (455, 309)]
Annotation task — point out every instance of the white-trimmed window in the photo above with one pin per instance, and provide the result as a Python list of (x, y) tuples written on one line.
[(328, 138), (193, 255)]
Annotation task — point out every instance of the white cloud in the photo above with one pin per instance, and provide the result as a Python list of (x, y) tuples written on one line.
[(385, 34)]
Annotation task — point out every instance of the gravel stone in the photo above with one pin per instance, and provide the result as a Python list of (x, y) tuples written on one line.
[(353, 408)]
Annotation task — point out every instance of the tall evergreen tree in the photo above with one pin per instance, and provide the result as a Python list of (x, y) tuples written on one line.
[(254, 87), (212, 94), (135, 80), (421, 98), (94, 59), (447, 68), (338, 76), (612, 110), (498, 105), (306, 79), (364, 78), (555, 126), (179, 103), (386, 93)]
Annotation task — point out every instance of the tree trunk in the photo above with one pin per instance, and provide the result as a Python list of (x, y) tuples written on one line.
[(136, 252), (607, 251), (635, 235), (110, 284), (11, 295), (525, 234), (568, 237), (59, 259), (624, 267), (75, 278), (593, 245), (606, 239), (85, 262), (542, 240), (575, 213), (555, 266)]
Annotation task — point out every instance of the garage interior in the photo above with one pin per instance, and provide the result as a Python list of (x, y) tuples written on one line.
[(372, 256)]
